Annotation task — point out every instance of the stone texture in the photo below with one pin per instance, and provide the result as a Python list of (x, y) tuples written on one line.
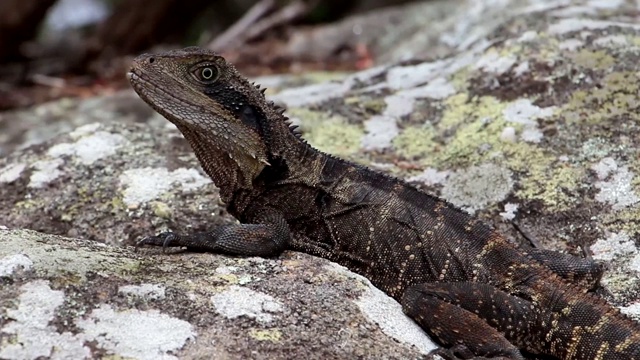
[(547, 101)]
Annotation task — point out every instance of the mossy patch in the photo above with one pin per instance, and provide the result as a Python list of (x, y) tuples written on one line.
[(332, 134)]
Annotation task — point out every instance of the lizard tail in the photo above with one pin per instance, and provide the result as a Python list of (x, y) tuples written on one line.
[(584, 326)]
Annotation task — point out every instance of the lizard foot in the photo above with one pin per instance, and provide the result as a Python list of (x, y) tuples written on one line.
[(164, 239)]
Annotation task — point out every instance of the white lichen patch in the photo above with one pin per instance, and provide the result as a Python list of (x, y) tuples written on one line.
[(143, 335), (606, 4), (146, 184), (632, 310), (573, 11), (226, 270), (528, 36), (522, 68), (437, 89), (430, 176), (407, 77), (616, 184), (522, 111), (381, 130), (478, 187), (541, 6), (90, 148), (237, 301), (29, 324), (571, 44), (493, 62), (11, 172), (509, 212), (577, 24), (11, 263), (383, 310), (147, 291), (634, 264), (531, 134), (45, 171), (310, 94), (85, 130), (398, 106), (620, 41), (615, 245), (605, 167)]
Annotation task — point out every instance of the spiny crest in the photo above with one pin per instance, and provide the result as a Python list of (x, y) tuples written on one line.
[(295, 129), (280, 110), (258, 87)]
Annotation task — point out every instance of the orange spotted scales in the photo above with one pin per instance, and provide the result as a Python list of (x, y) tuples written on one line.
[(460, 280)]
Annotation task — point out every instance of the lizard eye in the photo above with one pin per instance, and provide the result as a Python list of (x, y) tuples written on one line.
[(206, 74)]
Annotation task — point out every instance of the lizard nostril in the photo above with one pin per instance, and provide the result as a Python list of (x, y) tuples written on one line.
[(151, 60)]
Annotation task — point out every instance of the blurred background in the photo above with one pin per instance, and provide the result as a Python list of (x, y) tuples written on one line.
[(79, 48)]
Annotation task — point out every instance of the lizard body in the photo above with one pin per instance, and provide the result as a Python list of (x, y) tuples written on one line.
[(463, 282)]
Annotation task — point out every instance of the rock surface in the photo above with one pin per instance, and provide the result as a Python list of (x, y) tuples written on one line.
[(535, 121), (69, 298)]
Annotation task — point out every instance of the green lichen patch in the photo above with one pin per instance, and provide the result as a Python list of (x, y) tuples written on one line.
[(615, 97), (332, 134), (593, 60), (554, 184), (416, 142), (627, 220), (271, 335), (477, 124)]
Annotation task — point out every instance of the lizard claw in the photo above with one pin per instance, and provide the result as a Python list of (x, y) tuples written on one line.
[(168, 238), (163, 239)]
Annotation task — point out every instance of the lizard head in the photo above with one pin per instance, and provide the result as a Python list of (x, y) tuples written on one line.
[(219, 112)]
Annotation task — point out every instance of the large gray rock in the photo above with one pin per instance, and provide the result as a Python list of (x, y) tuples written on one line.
[(535, 122), (70, 299)]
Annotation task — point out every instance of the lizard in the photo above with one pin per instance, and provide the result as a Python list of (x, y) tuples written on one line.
[(476, 292)]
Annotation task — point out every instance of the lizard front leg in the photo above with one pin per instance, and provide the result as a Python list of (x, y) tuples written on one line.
[(267, 235), (471, 318)]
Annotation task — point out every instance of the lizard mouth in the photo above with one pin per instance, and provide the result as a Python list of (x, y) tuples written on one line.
[(155, 94)]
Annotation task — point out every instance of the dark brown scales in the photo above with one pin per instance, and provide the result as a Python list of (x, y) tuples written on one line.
[(459, 279)]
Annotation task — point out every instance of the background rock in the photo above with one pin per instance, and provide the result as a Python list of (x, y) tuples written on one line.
[(535, 123)]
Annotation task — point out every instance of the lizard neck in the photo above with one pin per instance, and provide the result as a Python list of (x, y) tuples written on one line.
[(288, 155)]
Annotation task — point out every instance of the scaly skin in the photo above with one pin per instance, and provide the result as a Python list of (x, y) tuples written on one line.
[(463, 282)]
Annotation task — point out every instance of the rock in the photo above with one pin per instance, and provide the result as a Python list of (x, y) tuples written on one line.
[(535, 123), (68, 298)]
